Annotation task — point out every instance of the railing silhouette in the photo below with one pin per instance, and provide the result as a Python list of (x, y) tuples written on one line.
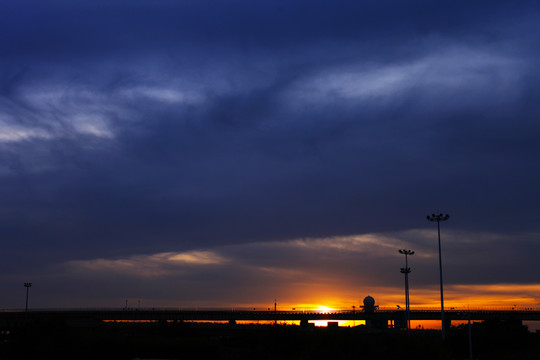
[(10, 317), (464, 308)]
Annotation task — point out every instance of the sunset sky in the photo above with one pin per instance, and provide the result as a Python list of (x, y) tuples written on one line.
[(228, 153)]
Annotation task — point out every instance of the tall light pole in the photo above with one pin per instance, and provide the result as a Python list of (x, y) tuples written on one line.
[(27, 286), (406, 270), (438, 218)]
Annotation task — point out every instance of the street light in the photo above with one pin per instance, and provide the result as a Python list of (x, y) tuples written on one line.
[(438, 218), (27, 286), (406, 270)]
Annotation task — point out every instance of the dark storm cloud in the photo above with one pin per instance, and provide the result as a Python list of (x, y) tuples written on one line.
[(65, 29), (145, 127)]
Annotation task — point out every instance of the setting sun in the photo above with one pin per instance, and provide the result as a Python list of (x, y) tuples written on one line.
[(324, 309)]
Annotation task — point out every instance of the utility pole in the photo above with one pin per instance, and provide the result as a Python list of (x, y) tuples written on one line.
[(438, 218), (27, 286), (275, 311), (406, 270)]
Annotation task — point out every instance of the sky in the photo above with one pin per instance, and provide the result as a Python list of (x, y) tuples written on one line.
[(229, 153)]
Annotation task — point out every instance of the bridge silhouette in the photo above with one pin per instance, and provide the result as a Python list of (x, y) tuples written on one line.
[(379, 318)]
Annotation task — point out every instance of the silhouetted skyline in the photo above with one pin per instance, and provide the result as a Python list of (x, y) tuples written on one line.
[(202, 153)]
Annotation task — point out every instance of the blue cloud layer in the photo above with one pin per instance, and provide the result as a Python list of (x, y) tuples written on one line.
[(147, 127)]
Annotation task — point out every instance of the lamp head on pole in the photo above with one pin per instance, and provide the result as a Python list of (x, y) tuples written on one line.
[(438, 217), (406, 252)]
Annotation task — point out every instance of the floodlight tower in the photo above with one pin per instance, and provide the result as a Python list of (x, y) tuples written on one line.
[(27, 286), (438, 218), (406, 270)]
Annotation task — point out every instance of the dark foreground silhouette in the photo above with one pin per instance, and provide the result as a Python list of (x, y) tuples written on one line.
[(491, 340)]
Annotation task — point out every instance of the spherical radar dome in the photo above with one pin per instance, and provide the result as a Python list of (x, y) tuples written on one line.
[(369, 301)]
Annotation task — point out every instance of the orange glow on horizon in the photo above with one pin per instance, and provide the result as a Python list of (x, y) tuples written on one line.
[(309, 299), (471, 295)]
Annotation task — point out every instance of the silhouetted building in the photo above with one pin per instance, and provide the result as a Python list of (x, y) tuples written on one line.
[(369, 304)]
